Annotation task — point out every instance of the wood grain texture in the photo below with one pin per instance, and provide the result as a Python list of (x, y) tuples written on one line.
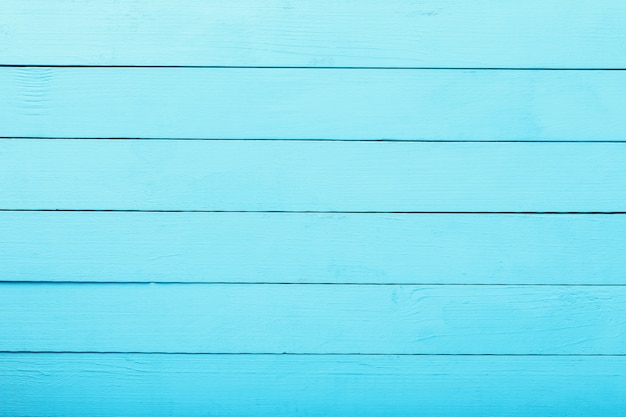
[(312, 319), (355, 108), (311, 176), (314, 386), (394, 33), (312, 103), (333, 248)]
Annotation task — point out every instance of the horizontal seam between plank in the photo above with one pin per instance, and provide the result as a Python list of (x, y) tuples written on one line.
[(297, 67), (385, 140), (36, 352), (14, 210), (281, 283)]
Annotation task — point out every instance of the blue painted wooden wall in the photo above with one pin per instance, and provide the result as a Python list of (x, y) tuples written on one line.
[(312, 208)]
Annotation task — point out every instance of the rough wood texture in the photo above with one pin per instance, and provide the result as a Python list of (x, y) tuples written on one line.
[(335, 248), (393, 33), (318, 319), (317, 103), (314, 386), (312, 176), (316, 85)]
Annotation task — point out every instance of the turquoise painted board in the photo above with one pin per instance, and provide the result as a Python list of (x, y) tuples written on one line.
[(307, 247), (279, 208), (347, 33), (313, 319), (312, 176), (314, 386), (313, 104)]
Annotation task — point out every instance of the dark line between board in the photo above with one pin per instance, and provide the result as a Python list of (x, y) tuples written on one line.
[(320, 140), (96, 352), (310, 67), (385, 140), (282, 283), (310, 211)]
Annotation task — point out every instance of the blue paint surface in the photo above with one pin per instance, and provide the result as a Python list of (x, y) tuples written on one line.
[(229, 175), (314, 386), (297, 103), (275, 208), (317, 33), (313, 248), (314, 319)]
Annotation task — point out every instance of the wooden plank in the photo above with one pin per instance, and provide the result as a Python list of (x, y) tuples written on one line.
[(334, 248), (394, 33), (311, 176), (192, 385), (313, 319), (312, 104)]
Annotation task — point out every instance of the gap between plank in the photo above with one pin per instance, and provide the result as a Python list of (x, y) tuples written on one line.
[(240, 283), (310, 211), (385, 140), (311, 67), (36, 352)]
